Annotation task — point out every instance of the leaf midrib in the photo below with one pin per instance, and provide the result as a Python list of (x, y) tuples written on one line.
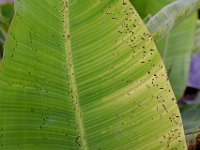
[(71, 78)]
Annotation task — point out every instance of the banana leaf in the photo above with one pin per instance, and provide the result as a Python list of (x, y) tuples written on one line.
[(80, 74)]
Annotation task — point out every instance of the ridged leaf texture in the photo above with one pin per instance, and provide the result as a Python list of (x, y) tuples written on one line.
[(84, 74)]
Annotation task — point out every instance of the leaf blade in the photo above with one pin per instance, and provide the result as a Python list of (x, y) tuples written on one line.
[(117, 104)]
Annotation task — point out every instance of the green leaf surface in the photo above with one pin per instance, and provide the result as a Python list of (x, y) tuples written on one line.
[(197, 39), (7, 10), (84, 75), (177, 46), (191, 117), (167, 18), (149, 7), (6, 14), (176, 50), (191, 121)]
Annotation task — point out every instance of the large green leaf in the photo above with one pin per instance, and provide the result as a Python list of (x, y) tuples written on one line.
[(84, 75)]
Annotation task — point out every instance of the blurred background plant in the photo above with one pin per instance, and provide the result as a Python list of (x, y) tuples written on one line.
[(6, 14), (175, 27)]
